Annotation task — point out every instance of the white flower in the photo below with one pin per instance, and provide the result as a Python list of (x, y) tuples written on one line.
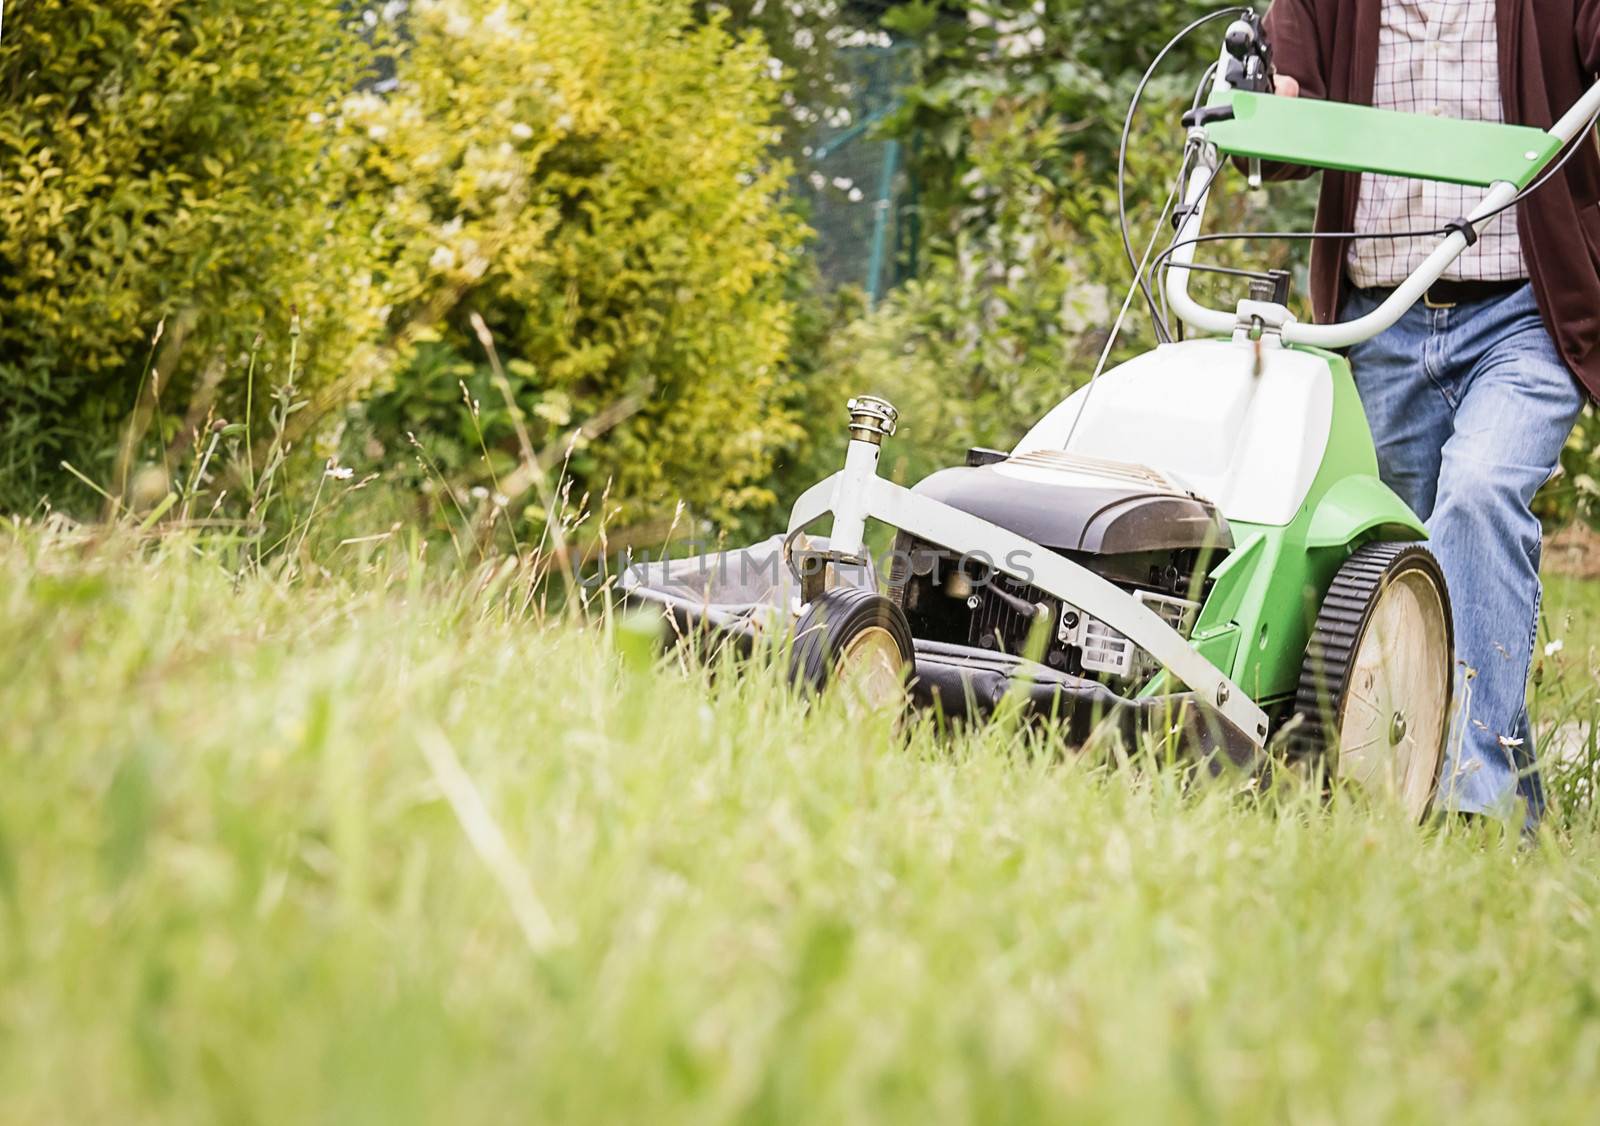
[(521, 130), (442, 258), (363, 103), (340, 472), (1554, 647)]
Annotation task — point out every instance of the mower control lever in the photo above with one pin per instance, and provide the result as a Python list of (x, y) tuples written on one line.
[(1201, 116), (1274, 287), (1249, 65)]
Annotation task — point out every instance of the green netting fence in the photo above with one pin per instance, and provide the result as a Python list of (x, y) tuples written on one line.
[(860, 195)]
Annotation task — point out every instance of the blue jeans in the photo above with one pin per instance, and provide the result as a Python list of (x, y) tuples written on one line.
[(1470, 407)]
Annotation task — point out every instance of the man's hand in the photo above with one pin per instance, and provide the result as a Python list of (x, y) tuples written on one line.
[(1285, 87)]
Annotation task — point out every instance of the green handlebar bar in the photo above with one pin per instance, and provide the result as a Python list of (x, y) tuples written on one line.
[(1503, 158), (1351, 138)]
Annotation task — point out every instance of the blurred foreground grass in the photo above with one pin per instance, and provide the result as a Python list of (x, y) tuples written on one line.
[(372, 849)]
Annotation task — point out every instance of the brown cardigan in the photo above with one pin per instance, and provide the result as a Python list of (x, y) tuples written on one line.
[(1549, 56)]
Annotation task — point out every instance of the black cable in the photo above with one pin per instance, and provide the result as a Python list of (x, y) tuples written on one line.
[(1140, 278), (1138, 273), (1544, 177), (1178, 219), (1200, 90), (1250, 236), (1230, 271)]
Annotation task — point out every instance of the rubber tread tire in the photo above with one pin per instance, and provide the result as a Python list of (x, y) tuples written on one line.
[(1346, 610), (827, 625)]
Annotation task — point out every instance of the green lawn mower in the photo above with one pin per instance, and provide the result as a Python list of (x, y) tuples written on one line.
[(1196, 539)]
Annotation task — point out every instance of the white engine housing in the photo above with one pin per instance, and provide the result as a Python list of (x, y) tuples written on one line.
[(1198, 412)]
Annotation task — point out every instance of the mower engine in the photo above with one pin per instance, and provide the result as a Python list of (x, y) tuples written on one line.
[(1130, 525)]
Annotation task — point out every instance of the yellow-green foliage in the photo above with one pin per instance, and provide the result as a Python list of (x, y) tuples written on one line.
[(594, 179), (166, 160)]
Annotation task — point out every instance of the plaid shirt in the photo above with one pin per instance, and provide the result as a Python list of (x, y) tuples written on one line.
[(1437, 57)]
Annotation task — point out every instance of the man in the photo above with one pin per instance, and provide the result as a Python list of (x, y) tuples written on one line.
[(1473, 393)]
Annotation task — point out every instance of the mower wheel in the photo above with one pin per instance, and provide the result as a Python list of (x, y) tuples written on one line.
[(1374, 697), (856, 639)]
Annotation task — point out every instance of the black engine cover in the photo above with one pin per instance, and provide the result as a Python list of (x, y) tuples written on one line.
[(1082, 505)]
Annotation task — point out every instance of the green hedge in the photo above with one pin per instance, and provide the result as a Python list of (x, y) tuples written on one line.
[(166, 164), (593, 179)]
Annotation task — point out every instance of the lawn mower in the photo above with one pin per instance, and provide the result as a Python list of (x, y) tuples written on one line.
[(1196, 539)]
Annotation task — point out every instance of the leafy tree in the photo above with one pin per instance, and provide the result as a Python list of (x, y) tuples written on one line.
[(596, 182)]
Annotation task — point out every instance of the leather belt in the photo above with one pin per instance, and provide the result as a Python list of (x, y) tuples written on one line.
[(1449, 294)]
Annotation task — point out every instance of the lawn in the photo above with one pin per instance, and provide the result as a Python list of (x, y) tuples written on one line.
[(387, 846), (1572, 612), (1564, 697)]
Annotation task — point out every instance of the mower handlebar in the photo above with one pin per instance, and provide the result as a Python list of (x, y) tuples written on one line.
[(1575, 121)]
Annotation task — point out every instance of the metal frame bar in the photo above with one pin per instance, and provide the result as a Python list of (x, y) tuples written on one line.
[(854, 498)]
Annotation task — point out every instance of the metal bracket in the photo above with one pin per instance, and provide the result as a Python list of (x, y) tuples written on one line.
[(818, 571), (1261, 320)]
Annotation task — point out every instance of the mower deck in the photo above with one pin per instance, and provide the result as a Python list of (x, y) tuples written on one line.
[(966, 683), (963, 682)]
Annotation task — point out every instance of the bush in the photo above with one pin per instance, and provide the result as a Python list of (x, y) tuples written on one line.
[(595, 182), (167, 165)]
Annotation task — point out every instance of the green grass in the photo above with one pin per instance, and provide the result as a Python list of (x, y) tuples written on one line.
[(373, 849), (1564, 696), (1572, 612)]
